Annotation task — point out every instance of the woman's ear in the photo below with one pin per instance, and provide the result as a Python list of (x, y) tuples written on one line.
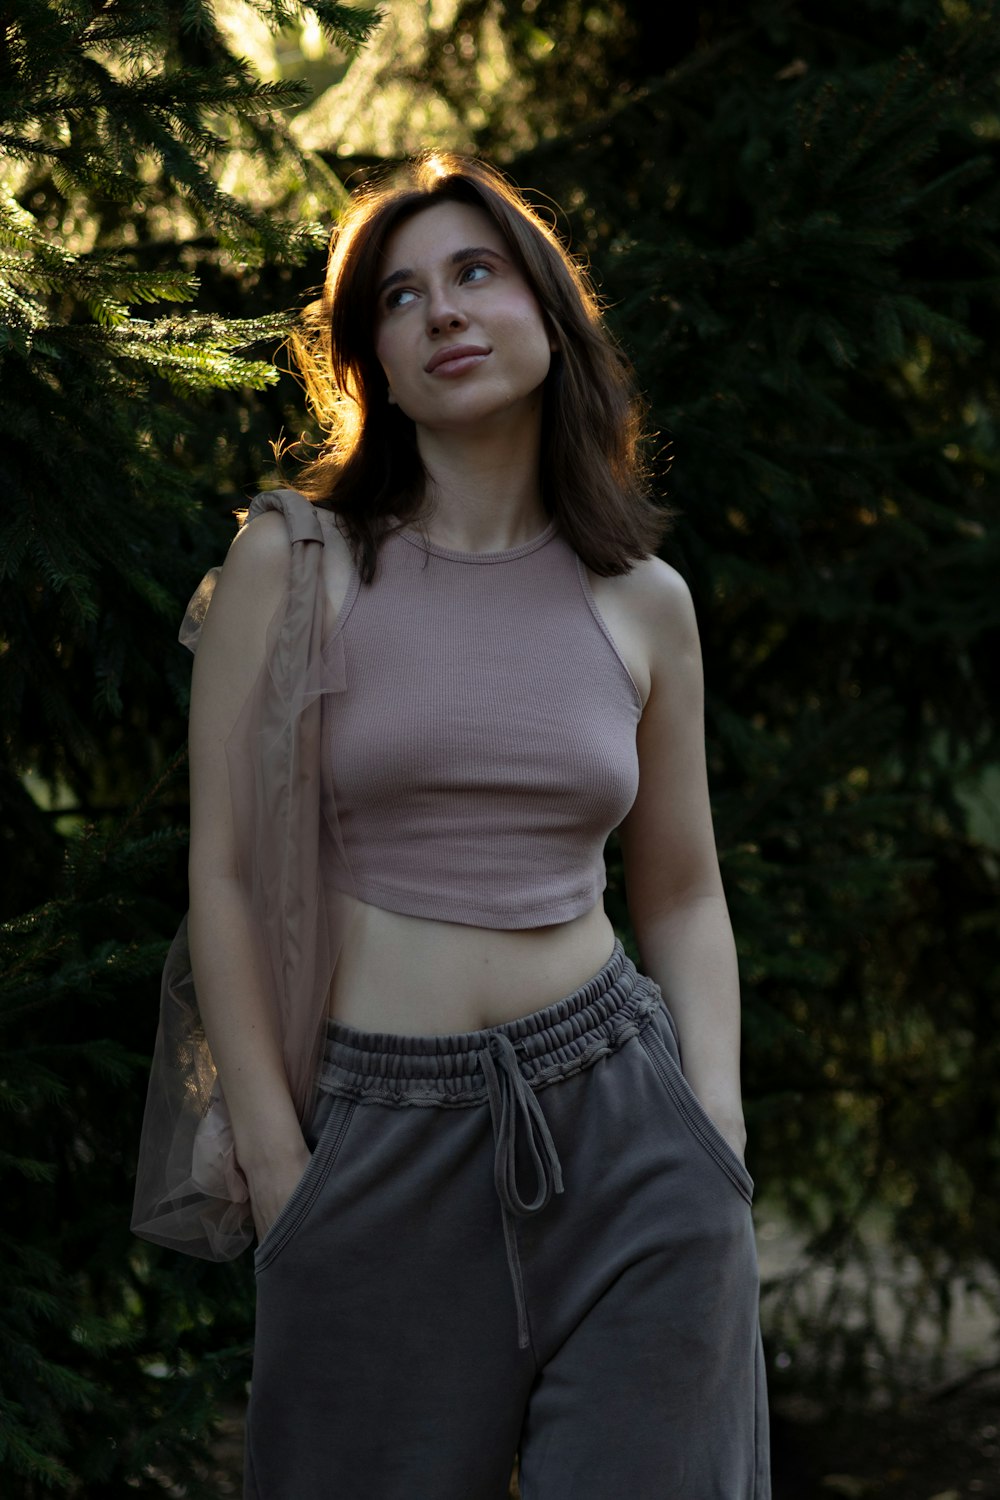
[(389, 396)]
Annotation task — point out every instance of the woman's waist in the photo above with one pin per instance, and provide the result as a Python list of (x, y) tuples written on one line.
[(412, 975)]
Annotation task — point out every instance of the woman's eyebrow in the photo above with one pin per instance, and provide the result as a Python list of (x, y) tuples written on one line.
[(404, 275), (471, 252), (476, 252)]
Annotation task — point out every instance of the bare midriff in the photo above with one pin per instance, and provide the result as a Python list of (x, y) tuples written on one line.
[(414, 976)]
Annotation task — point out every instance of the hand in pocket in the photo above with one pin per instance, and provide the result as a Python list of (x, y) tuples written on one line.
[(272, 1185)]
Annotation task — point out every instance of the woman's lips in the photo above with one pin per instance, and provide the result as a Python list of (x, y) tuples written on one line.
[(456, 360)]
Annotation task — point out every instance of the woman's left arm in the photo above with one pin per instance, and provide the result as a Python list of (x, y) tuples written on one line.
[(676, 903)]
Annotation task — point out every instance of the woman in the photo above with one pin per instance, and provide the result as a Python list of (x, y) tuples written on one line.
[(493, 1214)]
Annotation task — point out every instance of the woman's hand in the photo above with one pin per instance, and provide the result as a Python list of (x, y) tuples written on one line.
[(272, 1184)]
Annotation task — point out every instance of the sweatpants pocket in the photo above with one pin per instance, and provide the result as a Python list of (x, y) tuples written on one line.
[(331, 1138), (664, 1053)]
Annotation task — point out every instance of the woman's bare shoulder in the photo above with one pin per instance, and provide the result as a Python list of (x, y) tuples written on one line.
[(257, 565), (261, 546), (265, 540), (653, 596), (657, 585), (249, 589), (669, 625)]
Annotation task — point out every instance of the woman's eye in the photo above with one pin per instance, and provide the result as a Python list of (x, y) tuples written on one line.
[(398, 297), (474, 273)]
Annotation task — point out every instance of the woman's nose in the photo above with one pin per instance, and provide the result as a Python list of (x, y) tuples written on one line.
[(443, 312)]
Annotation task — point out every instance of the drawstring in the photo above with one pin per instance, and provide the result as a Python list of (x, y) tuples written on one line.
[(504, 1098), (511, 1099)]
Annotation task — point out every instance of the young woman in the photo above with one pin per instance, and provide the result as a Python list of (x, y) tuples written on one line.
[(496, 1214)]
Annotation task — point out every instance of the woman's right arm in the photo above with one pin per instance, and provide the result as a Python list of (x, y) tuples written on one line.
[(239, 1019)]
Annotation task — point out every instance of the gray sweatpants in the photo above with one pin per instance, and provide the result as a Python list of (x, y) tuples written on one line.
[(528, 1239)]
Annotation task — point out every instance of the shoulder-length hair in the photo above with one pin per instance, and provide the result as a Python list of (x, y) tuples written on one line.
[(368, 469)]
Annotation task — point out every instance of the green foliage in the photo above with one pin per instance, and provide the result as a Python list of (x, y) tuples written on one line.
[(119, 126), (116, 125)]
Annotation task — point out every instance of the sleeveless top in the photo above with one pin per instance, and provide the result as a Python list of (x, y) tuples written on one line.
[(485, 745)]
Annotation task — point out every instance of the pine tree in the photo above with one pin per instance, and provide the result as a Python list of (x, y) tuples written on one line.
[(117, 125)]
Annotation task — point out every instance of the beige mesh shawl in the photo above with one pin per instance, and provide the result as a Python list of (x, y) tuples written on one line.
[(190, 1193)]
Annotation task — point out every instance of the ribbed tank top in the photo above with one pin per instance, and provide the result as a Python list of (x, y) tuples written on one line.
[(485, 745)]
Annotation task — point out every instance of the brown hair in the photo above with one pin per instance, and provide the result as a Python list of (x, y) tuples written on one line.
[(368, 468)]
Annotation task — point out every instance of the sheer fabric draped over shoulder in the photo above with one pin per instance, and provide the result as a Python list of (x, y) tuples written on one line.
[(190, 1192)]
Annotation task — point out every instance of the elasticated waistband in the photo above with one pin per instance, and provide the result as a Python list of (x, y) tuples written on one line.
[(552, 1043)]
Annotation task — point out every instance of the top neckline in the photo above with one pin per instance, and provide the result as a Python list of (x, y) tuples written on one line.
[(506, 554)]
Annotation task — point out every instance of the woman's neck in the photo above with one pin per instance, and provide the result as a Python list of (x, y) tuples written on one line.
[(482, 496)]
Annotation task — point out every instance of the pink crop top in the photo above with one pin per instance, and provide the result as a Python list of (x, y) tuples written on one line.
[(486, 744)]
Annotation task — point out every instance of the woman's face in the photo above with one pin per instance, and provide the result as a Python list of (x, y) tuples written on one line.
[(458, 329)]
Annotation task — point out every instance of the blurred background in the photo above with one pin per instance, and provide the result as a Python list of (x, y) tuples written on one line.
[(792, 213)]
